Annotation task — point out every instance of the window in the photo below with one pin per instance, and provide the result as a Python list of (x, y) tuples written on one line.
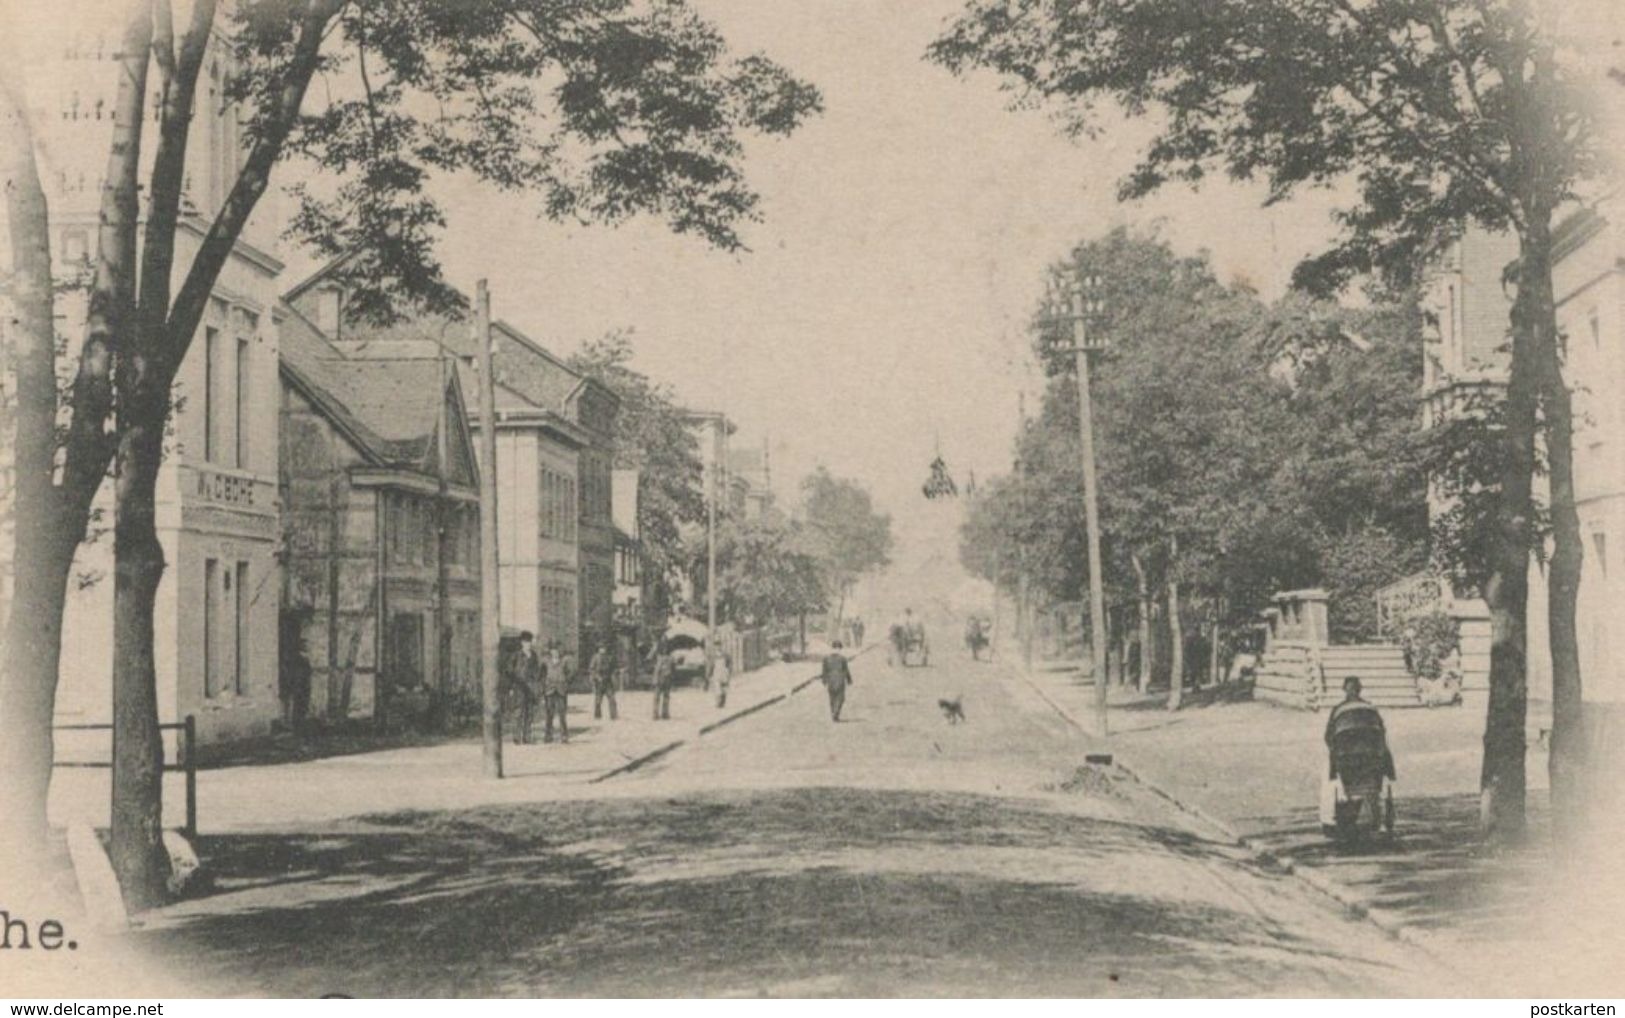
[(211, 356), (212, 671), (239, 639), (75, 246), (241, 394)]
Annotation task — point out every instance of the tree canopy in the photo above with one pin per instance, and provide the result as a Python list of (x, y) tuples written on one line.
[(653, 438)]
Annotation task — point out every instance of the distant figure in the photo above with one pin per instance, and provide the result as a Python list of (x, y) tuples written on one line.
[(857, 631), (599, 669), (294, 671), (722, 668), (555, 696), (836, 677), (975, 637), (523, 683), (663, 669)]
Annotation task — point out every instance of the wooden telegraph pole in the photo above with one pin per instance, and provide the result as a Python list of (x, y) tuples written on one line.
[(490, 598), (1084, 304)]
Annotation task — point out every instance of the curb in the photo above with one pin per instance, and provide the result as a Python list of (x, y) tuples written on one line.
[(98, 886), (1383, 919), (655, 754)]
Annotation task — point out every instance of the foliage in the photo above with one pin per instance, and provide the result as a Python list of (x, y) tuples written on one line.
[(653, 438), (1440, 113), (1430, 642), (766, 570), (1278, 444), (844, 532), (604, 111), (1433, 107)]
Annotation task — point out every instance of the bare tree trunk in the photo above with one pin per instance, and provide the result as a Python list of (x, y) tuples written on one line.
[(1176, 632), (137, 847), (1568, 752), (1502, 779), (41, 556), (1143, 680), (1213, 647)]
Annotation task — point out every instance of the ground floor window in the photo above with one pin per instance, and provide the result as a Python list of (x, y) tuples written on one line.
[(225, 628)]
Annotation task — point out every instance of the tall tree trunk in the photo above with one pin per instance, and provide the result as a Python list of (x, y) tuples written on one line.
[(1176, 632), (1502, 779), (137, 848), (1143, 680), (1213, 645), (42, 553), (1568, 750)]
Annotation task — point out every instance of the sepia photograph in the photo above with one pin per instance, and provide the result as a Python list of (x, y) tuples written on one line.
[(812, 498)]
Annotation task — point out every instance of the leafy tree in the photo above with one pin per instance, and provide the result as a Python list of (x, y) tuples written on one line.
[(606, 110), (1242, 450), (766, 570), (847, 534), (1441, 112), (652, 437)]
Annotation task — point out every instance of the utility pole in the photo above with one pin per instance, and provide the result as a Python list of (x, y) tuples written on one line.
[(717, 426), (490, 598), (1024, 612), (1084, 304)]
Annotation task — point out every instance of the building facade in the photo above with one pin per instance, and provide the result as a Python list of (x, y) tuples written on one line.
[(538, 524), (216, 615), (381, 527), (1467, 358)]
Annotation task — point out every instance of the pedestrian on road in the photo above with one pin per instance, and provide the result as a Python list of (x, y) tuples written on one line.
[(857, 631), (662, 682), (555, 696), (524, 685), (603, 683), (722, 667), (836, 677)]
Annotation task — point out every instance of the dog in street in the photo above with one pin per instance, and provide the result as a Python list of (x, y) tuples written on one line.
[(953, 710)]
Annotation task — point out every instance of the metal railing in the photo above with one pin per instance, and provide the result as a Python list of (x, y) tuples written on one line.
[(187, 764)]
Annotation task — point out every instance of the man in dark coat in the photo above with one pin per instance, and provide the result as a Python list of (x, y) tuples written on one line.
[(836, 677), (524, 681)]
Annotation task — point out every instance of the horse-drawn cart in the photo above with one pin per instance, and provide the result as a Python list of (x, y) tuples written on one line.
[(909, 645)]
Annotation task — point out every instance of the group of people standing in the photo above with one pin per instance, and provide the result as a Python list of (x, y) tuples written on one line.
[(529, 679)]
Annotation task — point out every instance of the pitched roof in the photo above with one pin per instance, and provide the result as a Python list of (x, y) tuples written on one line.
[(387, 399)]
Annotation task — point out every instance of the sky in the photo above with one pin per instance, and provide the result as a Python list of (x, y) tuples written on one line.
[(881, 311)]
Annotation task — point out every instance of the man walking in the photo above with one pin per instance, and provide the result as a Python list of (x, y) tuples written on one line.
[(662, 682), (603, 683), (723, 673), (555, 696), (836, 677)]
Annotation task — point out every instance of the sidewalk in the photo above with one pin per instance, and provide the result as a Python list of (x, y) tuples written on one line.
[(1251, 770), (445, 775)]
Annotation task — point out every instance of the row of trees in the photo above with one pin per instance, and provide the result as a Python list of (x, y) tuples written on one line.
[(779, 566), (1439, 113), (1243, 448), (603, 111)]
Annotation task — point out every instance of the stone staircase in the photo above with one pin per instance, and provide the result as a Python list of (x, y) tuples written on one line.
[(1310, 677)]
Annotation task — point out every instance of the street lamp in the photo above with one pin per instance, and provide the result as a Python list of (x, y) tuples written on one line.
[(1083, 302)]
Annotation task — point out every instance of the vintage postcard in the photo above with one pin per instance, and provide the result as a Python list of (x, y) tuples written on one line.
[(812, 498)]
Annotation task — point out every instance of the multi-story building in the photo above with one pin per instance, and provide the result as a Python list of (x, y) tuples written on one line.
[(380, 519), (215, 637), (1467, 357), (555, 431), (752, 473)]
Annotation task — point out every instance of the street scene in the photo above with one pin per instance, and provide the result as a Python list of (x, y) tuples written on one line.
[(710, 498)]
